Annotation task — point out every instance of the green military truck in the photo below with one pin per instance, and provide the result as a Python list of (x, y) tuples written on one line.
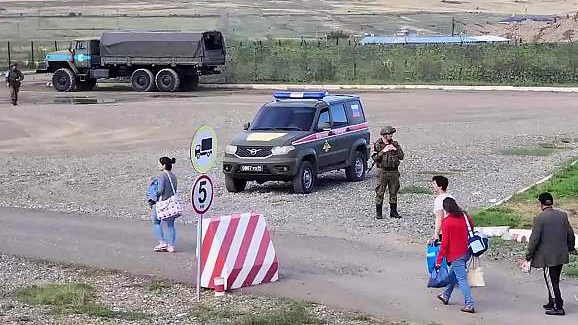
[(166, 61)]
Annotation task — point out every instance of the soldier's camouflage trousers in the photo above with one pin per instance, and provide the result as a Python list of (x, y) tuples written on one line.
[(387, 180)]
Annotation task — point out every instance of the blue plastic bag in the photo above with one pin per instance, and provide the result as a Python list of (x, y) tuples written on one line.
[(152, 191), (439, 278), (432, 251)]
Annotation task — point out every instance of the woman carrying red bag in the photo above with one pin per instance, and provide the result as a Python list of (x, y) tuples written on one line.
[(455, 249)]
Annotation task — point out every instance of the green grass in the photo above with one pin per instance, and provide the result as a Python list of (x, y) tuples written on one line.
[(528, 151), (415, 189), (362, 318), (158, 286), (498, 216), (70, 299), (285, 314), (294, 313), (519, 211), (206, 314), (564, 184), (572, 268)]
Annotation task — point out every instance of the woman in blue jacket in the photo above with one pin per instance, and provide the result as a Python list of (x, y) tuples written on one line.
[(160, 189)]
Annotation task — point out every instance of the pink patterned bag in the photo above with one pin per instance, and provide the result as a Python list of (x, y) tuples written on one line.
[(171, 207)]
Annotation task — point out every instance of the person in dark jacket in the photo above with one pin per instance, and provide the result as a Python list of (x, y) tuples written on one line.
[(551, 242), (14, 80)]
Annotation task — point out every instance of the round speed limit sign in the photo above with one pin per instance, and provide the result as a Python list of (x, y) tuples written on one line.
[(202, 194)]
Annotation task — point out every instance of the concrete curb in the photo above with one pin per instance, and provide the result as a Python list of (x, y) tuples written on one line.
[(294, 87), (494, 231)]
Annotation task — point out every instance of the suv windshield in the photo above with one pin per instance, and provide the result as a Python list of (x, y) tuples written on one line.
[(284, 118)]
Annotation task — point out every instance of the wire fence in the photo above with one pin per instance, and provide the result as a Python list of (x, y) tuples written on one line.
[(28, 53), (346, 61)]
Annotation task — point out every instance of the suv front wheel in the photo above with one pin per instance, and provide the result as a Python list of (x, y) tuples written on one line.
[(356, 171), (304, 181), (234, 185)]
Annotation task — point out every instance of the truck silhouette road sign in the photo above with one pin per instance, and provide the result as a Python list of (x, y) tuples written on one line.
[(205, 148)]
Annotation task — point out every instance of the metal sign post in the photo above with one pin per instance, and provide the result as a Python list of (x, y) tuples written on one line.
[(202, 199), (199, 243), (203, 153)]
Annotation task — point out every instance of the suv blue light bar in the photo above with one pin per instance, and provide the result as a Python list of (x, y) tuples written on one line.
[(304, 95)]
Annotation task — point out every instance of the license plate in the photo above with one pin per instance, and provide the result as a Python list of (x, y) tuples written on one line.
[(258, 169)]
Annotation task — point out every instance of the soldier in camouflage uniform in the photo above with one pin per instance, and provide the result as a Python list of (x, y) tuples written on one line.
[(387, 155), (13, 80)]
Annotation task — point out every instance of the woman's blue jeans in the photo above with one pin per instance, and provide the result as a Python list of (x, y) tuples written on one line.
[(459, 276), (158, 229)]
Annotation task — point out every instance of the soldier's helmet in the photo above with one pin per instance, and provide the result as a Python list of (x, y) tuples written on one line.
[(387, 130), (13, 64)]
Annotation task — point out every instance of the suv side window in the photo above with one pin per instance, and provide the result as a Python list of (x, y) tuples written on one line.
[(355, 112), (338, 115), (323, 122)]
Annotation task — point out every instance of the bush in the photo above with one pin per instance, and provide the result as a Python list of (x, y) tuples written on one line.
[(336, 34), (326, 62)]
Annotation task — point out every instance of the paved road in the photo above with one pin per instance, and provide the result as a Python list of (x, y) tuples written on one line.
[(385, 281)]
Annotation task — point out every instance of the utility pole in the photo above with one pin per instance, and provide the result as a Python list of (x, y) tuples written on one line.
[(453, 25)]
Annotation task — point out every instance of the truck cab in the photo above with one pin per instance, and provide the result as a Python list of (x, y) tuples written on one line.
[(86, 53)]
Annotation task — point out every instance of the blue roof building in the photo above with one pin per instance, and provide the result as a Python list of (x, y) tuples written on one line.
[(385, 40)]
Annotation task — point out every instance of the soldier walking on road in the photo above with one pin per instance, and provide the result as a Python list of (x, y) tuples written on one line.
[(13, 80), (387, 155)]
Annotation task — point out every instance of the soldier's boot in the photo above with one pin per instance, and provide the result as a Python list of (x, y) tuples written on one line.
[(393, 211), (378, 211)]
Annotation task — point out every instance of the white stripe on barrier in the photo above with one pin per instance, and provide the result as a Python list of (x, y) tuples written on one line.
[(252, 253), (236, 245), (214, 252), (269, 257)]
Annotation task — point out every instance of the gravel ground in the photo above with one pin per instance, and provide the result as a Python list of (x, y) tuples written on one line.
[(163, 302), (87, 184), (456, 134)]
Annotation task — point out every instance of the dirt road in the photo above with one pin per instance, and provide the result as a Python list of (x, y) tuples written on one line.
[(386, 281)]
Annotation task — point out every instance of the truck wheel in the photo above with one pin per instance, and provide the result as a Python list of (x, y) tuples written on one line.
[(304, 181), (64, 80), (234, 185), (356, 171), (142, 80), (167, 80), (86, 85)]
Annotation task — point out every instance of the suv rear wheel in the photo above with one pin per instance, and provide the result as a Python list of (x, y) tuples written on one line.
[(304, 181), (234, 185), (356, 171)]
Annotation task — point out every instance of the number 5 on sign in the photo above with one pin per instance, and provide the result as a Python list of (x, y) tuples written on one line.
[(202, 194), (202, 198)]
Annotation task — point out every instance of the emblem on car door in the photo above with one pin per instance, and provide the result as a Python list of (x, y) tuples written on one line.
[(326, 146)]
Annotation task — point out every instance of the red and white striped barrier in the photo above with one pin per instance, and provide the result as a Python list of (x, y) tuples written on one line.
[(237, 248), (520, 235)]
